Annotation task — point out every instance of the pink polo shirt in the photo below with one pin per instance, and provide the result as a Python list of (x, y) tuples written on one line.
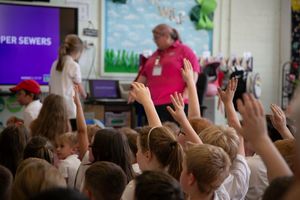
[(170, 79)]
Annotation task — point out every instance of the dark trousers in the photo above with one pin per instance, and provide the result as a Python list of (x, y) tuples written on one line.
[(164, 114)]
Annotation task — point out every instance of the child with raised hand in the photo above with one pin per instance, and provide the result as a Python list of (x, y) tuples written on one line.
[(254, 130), (157, 145), (107, 145), (237, 183), (66, 149), (202, 178), (158, 150)]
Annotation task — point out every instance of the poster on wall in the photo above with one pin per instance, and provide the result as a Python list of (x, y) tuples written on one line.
[(128, 26)]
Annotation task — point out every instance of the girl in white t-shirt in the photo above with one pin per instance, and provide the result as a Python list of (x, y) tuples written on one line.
[(65, 72)]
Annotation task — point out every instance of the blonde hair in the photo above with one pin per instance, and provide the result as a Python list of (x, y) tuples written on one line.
[(199, 124), (68, 137), (287, 149), (162, 143), (72, 44), (33, 176), (52, 120), (91, 131), (174, 128), (222, 136), (209, 165)]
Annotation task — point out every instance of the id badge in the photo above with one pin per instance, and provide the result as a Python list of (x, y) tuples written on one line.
[(157, 70)]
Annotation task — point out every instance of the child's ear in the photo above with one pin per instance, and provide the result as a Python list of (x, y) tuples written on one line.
[(191, 179), (148, 155)]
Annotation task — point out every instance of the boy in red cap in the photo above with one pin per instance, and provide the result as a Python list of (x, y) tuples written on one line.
[(27, 93)]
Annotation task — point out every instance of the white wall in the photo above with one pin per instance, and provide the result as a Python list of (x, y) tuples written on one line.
[(262, 27), (255, 26)]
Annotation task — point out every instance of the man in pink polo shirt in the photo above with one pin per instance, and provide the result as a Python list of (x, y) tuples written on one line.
[(162, 71)]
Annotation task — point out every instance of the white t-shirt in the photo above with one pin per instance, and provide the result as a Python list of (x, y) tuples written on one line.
[(221, 194), (80, 176), (258, 178), (31, 112), (68, 168), (237, 183), (62, 83), (128, 193)]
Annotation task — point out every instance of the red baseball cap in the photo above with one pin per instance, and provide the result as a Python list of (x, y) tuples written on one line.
[(29, 85)]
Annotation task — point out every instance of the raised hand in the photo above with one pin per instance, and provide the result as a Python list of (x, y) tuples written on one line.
[(278, 120), (254, 121), (140, 93), (254, 129), (187, 71), (227, 95), (179, 115), (178, 112)]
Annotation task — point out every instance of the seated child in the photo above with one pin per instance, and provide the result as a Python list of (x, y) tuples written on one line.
[(39, 147), (156, 185), (33, 176), (6, 181), (132, 135), (104, 181), (237, 182), (203, 178), (66, 153)]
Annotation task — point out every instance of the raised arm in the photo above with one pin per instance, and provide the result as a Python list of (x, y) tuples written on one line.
[(254, 129), (232, 117), (179, 115), (141, 94), (227, 99), (188, 76), (81, 126), (278, 120)]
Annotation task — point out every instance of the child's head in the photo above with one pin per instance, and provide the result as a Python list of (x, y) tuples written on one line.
[(91, 131), (12, 144), (222, 136), (6, 180), (110, 145), (52, 119), (199, 124), (204, 167), (105, 181), (131, 137), (159, 150), (278, 188), (287, 149), (66, 145), (156, 185), (60, 194), (33, 176), (27, 91), (72, 46), (174, 128), (39, 147)]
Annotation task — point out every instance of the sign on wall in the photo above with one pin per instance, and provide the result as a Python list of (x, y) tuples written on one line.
[(128, 31)]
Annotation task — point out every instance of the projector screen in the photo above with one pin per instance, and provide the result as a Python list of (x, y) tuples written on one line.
[(29, 40)]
